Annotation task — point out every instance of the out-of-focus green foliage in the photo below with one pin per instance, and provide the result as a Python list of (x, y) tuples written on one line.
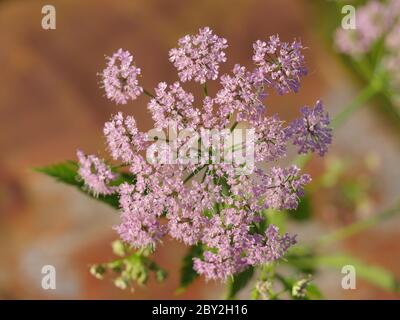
[(239, 282), (188, 275), (130, 268)]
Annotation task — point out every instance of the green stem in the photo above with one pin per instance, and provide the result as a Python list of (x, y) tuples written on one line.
[(359, 226), (205, 89), (234, 126), (302, 159), (204, 176), (148, 93), (363, 97), (190, 176)]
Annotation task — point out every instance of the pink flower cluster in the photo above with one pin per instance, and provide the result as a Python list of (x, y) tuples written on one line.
[(120, 78), (173, 103), (198, 57), (210, 203)]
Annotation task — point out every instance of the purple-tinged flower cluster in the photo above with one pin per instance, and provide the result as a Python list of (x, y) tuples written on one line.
[(312, 132), (280, 64), (96, 175), (281, 188), (212, 203), (198, 56), (119, 78)]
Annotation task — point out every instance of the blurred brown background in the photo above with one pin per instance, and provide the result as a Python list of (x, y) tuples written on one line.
[(51, 104)]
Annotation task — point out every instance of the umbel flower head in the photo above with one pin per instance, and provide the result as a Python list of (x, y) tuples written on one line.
[(120, 78), (312, 132), (209, 201), (280, 64), (198, 56)]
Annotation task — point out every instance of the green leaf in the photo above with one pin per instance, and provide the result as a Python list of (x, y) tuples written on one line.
[(302, 160), (277, 218), (188, 275), (64, 172), (296, 257), (238, 282), (313, 292), (304, 209), (67, 172), (160, 273)]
